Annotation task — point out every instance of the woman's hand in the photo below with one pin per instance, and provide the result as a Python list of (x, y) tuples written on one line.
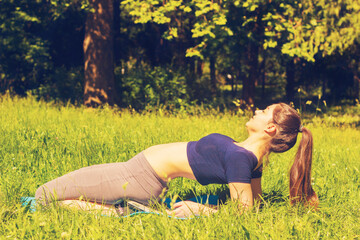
[(189, 208)]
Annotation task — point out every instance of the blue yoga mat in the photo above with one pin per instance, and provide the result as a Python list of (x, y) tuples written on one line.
[(30, 204)]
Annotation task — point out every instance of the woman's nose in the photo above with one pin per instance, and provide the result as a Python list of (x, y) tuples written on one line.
[(257, 111)]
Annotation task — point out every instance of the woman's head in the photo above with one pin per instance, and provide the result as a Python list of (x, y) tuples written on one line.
[(288, 125), (261, 121), (279, 122)]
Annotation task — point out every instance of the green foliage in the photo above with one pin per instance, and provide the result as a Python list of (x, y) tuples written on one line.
[(58, 7), (146, 87), (209, 16), (26, 49), (40, 141), (64, 85), (311, 27), (24, 56)]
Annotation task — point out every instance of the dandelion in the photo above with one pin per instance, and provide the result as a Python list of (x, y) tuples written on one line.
[(65, 235), (237, 102)]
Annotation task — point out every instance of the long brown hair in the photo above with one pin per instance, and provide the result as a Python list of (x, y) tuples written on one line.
[(288, 123)]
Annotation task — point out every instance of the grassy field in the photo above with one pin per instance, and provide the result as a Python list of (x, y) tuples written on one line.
[(39, 142)]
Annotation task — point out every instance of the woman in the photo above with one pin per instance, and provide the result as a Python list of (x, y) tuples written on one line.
[(213, 159)]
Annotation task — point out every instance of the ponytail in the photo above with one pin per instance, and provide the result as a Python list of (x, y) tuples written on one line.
[(288, 123), (300, 172)]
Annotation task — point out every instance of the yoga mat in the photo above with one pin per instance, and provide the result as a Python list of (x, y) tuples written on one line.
[(29, 203)]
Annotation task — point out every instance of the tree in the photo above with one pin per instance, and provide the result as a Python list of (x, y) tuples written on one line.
[(312, 30), (248, 27), (98, 54), (191, 24)]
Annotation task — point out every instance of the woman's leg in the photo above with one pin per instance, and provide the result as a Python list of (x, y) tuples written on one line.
[(95, 183), (105, 183)]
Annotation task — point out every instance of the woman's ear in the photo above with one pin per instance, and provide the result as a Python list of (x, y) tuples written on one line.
[(270, 129)]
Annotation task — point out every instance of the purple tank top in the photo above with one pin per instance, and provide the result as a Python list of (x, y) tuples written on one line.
[(217, 159)]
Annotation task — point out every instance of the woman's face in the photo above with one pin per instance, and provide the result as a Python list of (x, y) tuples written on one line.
[(261, 119)]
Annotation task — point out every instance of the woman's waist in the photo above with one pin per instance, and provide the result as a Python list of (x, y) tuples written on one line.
[(169, 160)]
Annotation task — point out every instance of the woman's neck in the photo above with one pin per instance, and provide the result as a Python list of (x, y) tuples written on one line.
[(257, 145)]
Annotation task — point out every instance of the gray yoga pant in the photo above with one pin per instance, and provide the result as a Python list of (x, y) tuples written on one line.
[(106, 183)]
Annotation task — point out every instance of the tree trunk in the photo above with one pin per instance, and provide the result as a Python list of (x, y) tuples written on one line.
[(263, 76), (212, 76), (199, 68), (290, 80), (356, 85), (117, 33), (179, 50), (232, 82), (323, 90), (98, 54), (249, 82), (253, 48)]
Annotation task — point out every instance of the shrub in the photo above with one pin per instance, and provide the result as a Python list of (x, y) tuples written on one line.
[(159, 86), (63, 85)]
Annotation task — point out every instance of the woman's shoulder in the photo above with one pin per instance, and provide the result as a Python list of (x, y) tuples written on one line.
[(218, 136), (235, 151)]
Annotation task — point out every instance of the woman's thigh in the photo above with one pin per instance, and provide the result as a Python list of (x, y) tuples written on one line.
[(104, 183)]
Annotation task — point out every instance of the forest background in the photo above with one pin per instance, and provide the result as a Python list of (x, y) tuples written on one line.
[(176, 53)]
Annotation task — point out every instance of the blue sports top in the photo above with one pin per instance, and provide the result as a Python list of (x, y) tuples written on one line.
[(217, 159)]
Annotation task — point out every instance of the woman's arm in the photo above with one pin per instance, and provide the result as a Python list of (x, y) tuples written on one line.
[(245, 193), (256, 188), (242, 193), (189, 208)]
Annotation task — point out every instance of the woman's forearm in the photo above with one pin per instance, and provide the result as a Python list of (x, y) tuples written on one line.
[(207, 209)]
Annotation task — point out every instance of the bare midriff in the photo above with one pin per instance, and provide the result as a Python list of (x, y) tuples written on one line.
[(170, 160)]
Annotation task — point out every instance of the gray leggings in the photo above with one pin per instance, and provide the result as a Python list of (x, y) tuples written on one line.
[(106, 183)]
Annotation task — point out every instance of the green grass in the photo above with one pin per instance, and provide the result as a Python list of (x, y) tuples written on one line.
[(40, 141)]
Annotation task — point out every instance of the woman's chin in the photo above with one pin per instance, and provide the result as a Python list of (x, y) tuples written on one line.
[(247, 124), (248, 127)]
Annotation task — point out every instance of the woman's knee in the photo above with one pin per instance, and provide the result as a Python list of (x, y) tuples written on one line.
[(39, 192), (41, 195)]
